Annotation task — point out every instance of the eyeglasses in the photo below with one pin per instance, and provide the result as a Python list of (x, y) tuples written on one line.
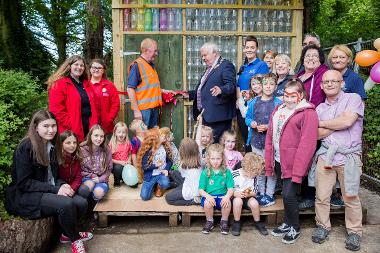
[(311, 56), (96, 68), (325, 82)]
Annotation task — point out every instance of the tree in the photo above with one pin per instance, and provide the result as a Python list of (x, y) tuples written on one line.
[(94, 37), (13, 47), (343, 21)]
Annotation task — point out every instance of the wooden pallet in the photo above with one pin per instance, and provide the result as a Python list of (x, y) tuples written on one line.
[(125, 201)]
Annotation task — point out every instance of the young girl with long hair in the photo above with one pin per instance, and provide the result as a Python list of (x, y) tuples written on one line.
[(232, 156), (35, 191), (289, 147), (96, 163), (153, 164), (121, 148), (137, 127), (216, 188), (187, 178)]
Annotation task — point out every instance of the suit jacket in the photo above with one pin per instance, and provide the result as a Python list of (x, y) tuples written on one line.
[(221, 107)]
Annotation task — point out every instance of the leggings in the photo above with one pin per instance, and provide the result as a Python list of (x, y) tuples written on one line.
[(289, 193), (174, 197), (68, 211)]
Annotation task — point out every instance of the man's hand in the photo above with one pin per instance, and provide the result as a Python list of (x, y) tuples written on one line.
[(215, 91)]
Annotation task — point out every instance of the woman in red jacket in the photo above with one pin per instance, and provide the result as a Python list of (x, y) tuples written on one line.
[(289, 147), (71, 98), (106, 96)]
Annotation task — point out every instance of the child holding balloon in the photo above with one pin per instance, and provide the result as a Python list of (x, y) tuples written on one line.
[(121, 148)]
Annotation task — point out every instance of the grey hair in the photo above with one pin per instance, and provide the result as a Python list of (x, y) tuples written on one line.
[(210, 47), (285, 58), (313, 35)]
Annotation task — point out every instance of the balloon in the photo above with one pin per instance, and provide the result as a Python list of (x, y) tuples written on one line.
[(375, 73), (376, 44), (129, 175), (366, 58)]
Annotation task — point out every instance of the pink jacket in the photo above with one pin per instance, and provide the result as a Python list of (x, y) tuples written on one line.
[(297, 143)]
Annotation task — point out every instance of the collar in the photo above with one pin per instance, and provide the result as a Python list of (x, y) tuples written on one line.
[(347, 72), (255, 61), (217, 61), (336, 99)]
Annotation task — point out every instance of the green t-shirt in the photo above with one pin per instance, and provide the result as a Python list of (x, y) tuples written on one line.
[(216, 183)]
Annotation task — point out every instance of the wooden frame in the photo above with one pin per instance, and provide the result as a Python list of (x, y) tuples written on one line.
[(118, 35)]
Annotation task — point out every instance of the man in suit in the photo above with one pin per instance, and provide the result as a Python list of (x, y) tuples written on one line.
[(215, 93)]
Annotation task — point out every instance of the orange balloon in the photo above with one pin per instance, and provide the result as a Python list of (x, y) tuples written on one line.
[(367, 58)]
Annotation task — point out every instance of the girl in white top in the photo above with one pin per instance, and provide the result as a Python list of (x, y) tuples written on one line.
[(187, 178)]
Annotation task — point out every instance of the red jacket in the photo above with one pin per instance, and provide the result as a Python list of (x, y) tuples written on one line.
[(65, 104), (70, 172), (298, 141), (107, 103)]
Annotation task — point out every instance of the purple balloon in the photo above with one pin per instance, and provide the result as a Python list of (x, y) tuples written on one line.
[(375, 73)]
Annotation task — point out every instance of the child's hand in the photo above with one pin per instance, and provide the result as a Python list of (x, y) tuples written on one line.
[(253, 124), (165, 172), (262, 128), (159, 163), (226, 202), (211, 200), (239, 195)]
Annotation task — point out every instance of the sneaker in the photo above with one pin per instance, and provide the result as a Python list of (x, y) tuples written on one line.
[(260, 226), (281, 230), (197, 199), (158, 192), (291, 236), (320, 235), (78, 247), (353, 242), (306, 204), (262, 200), (259, 196), (84, 236), (236, 227), (224, 228), (269, 201), (336, 201), (208, 227)]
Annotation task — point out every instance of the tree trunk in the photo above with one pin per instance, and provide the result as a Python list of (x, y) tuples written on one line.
[(93, 45), (13, 47)]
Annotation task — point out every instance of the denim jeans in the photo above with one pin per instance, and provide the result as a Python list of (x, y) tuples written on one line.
[(148, 186), (150, 117)]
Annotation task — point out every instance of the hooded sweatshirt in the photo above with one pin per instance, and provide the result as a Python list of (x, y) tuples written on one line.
[(298, 140)]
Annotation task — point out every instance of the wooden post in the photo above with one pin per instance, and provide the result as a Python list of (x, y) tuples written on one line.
[(186, 219), (296, 45), (173, 219), (102, 219)]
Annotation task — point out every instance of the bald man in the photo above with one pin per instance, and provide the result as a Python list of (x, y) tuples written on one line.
[(144, 89), (340, 130)]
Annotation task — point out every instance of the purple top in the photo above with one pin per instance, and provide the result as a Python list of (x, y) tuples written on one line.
[(92, 166), (312, 85), (350, 137)]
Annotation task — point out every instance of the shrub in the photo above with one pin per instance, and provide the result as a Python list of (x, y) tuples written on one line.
[(371, 134), (19, 98)]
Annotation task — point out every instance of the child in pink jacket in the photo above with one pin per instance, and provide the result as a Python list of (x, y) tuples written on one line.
[(289, 147)]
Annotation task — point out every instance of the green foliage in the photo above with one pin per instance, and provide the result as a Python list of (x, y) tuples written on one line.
[(371, 134), (343, 21), (20, 96)]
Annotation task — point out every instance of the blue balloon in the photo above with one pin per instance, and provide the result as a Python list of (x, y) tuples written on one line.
[(130, 175)]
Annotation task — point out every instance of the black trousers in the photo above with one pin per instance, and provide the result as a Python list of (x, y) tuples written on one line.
[(219, 127), (289, 194), (68, 211), (243, 130), (174, 197), (117, 170)]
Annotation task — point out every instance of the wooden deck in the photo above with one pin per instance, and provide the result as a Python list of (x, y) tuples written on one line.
[(125, 201)]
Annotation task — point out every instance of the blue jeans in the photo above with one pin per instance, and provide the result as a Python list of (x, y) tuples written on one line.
[(150, 117), (147, 186)]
